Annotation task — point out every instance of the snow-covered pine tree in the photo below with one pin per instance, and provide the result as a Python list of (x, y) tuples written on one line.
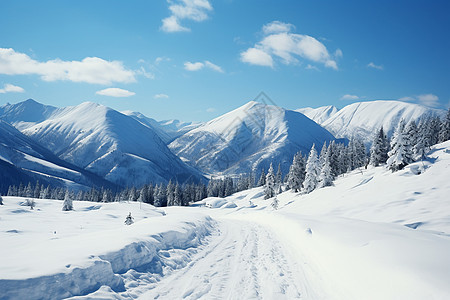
[(269, 188), (312, 171), (379, 149), (279, 176), (400, 154), (411, 133), (444, 133), (262, 178), (170, 194), (296, 174), (323, 153), (1, 200), (325, 177), (133, 196), (67, 204), (129, 219), (177, 196), (275, 203)]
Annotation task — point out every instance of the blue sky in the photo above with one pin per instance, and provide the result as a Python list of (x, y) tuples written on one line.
[(197, 59)]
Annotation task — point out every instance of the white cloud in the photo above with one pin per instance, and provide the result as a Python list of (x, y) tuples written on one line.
[(195, 10), (289, 47), (407, 99), (428, 99), (145, 73), (10, 88), (374, 66), (311, 67), (277, 27), (115, 92), (256, 56), (349, 97), (161, 96), (210, 110), (161, 59), (90, 69), (338, 53), (197, 66)]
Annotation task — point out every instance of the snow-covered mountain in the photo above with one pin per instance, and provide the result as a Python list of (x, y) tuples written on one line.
[(23, 160), (168, 130), (109, 144), (249, 138), (320, 114), (363, 119), (25, 114)]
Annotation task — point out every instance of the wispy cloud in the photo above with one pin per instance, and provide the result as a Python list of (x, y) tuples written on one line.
[(197, 66), (279, 42), (10, 88), (161, 96), (430, 100), (211, 109), (89, 70), (349, 97), (195, 10), (374, 66), (115, 92), (311, 67)]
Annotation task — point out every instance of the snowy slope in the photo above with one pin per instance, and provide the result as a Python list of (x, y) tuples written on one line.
[(109, 144), (374, 235), (25, 160), (25, 114), (320, 114), (249, 138), (167, 130), (363, 119)]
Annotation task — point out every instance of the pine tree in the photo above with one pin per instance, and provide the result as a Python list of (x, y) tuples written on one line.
[(400, 154), (129, 219), (279, 176), (325, 177), (178, 197), (1, 200), (67, 204), (269, 189), (379, 149), (262, 178), (312, 171), (444, 133), (170, 194), (275, 203), (296, 174)]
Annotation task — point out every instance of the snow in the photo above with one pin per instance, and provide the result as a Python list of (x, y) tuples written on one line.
[(363, 119), (373, 235), (109, 144), (248, 139)]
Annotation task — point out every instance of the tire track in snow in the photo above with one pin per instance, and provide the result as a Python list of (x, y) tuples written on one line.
[(242, 261)]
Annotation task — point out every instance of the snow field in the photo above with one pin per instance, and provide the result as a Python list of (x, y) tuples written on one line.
[(91, 247)]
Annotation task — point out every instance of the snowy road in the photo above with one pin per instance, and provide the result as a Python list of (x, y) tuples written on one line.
[(243, 261)]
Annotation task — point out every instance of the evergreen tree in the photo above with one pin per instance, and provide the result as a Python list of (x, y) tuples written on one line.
[(296, 174), (379, 149), (67, 204), (444, 134), (312, 171), (275, 203), (269, 188), (262, 178), (37, 190), (170, 194), (1, 200), (129, 219), (400, 154), (279, 176), (178, 197), (325, 177)]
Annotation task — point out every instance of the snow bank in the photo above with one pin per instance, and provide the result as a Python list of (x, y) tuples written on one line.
[(87, 248)]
